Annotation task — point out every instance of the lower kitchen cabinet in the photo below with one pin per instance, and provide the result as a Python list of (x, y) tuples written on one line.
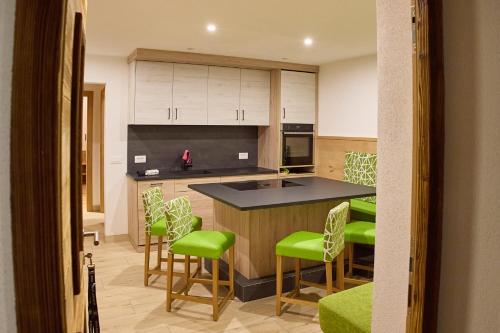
[(202, 205)]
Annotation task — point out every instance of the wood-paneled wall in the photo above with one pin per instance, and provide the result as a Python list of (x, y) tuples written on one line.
[(330, 152)]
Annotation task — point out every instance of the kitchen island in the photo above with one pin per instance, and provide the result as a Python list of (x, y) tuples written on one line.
[(261, 213)]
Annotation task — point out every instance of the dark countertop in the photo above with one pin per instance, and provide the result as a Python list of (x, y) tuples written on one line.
[(314, 189), (166, 174)]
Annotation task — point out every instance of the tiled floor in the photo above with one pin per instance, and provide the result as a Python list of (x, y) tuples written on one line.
[(125, 305)]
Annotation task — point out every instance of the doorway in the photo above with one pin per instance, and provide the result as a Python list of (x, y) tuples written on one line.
[(93, 157)]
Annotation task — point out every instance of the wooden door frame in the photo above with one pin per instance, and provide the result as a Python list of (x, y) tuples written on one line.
[(90, 141), (428, 166)]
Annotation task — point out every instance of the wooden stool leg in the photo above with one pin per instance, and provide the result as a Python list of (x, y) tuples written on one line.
[(146, 259), (231, 271), (297, 276), (329, 273), (199, 264), (170, 277), (340, 270), (215, 289), (279, 284), (351, 258), (187, 272), (160, 248)]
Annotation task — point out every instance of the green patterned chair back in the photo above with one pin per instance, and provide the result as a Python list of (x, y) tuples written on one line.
[(361, 168), (333, 237), (154, 207), (179, 218)]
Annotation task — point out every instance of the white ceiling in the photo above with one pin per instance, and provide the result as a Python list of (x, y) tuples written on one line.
[(264, 29)]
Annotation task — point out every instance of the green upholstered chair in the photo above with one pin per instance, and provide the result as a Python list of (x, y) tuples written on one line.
[(156, 225), (361, 168), (207, 244), (349, 311), (306, 245), (358, 232)]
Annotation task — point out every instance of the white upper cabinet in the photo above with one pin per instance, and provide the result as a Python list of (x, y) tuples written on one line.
[(190, 94), (255, 97), (182, 94), (223, 95), (153, 92), (298, 97)]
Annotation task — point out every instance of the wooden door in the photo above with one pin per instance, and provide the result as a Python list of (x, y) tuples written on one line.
[(298, 97), (190, 94), (223, 95), (428, 166), (255, 100), (47, 87), (153, 93)]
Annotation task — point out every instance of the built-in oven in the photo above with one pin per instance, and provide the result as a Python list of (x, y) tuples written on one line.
[(297, 145)]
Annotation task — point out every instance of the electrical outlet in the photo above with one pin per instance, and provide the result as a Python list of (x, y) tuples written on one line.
[(243, 156), (140, 158)]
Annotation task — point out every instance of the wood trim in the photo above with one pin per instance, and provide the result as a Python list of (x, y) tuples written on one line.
[(216, 60), (103, 109), (346, 138), (90, 151), (428, 170), (36, 160)]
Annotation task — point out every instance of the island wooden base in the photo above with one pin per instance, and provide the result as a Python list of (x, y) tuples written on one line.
[(257, 232)]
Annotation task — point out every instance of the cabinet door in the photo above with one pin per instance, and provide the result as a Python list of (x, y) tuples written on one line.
[(298, 97), (190, 94), (153, 93), (255, 97), (223, 95)]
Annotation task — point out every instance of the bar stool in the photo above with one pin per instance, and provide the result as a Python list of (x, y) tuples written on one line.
[(358, 232), (313, 246), (156, 225), (207, 244)]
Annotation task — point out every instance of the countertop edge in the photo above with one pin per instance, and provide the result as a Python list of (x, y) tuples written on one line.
[(263, 171)]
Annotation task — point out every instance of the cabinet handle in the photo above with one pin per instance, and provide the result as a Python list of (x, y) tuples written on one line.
[(175, 113), (237, 114), (243, 115), (168, 113), (156, 185), (284, 113)]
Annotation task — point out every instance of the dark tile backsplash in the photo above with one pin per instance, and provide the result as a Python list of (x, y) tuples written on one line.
[(211, 147)]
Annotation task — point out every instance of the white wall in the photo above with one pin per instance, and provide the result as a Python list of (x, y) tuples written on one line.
[(7, 301), (113, 72), (394, 149), (470, 268), (347, 104)]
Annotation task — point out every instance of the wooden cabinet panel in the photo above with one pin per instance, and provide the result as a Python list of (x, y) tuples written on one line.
[(181, 185), (153, 93), (298, 97), (223, 95), (190, 94), (255, 97)]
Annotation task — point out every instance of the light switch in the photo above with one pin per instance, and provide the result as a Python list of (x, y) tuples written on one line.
[(140, 158), (243, 156)]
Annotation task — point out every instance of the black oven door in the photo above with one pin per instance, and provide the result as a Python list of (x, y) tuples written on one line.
[(297, 149)]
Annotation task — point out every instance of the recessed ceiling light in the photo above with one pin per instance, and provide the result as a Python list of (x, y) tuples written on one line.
[(308, 41), (211, 27)]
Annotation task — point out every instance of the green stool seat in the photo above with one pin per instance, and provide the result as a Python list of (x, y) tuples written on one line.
[(302, 244), (159, 228), (349, 311), (363, 207), (207, 244), (360, 232)]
